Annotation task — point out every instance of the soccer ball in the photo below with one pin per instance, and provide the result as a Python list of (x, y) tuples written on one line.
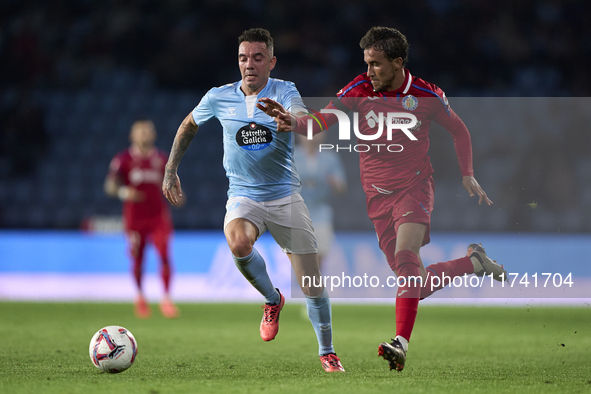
[(113, 349)]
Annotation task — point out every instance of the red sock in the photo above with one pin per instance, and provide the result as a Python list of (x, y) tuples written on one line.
[(138, 262), (407, 296), (137, 244), (138, 271), (160, 239), (445, 272), (165, 273)]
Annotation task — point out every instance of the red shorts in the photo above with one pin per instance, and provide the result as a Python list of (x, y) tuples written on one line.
[(155, 229), (411, 205)]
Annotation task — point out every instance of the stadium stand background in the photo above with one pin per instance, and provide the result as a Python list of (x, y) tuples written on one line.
[(75, 74)]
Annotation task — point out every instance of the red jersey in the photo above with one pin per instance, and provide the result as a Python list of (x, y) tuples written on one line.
[(144, 173), (384, 171)]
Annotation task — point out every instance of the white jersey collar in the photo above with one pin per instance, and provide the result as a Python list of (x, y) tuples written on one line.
[(408, 82)]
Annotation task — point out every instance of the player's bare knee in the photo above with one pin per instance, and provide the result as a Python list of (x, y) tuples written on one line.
[(310, 290), (241, 250), (240, 245)]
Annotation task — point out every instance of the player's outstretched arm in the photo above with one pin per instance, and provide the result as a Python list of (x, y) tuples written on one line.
[(280, 115), (473, 188), (463, 145), (171, 185), (287, 121)]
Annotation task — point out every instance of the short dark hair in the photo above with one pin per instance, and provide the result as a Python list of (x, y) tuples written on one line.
[(387, 39), (257, 34)]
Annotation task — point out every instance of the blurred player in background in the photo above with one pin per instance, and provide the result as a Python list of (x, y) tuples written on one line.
[(322, 176), (398, 185), (135, 176), (264, 185)]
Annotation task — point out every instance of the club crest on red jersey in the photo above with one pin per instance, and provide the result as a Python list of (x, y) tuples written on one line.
[(410, 102)]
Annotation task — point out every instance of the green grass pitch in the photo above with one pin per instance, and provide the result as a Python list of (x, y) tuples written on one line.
[(216, 348)]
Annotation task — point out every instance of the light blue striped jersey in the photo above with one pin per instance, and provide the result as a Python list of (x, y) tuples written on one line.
[(257, 159)]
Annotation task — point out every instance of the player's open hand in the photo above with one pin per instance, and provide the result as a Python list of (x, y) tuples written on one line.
[(473, 188), (171, 188), (280, 115)]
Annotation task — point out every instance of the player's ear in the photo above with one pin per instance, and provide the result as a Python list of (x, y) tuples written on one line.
[(273, 63)]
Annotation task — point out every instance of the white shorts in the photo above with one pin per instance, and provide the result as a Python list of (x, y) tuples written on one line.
[(287, 219)]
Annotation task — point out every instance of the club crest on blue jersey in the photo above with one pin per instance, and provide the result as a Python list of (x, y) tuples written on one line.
[(410, 102), (254, 136)]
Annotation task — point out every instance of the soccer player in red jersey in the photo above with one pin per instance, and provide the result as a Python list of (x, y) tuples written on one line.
[(135, 176), (396, 171)]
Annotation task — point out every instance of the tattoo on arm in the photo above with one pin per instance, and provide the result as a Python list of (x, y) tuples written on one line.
[(182, 140)]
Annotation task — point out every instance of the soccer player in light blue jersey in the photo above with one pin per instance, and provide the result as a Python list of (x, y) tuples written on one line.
[(264, 185)]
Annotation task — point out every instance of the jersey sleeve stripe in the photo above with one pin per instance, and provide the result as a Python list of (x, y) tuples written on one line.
[(434, 94), (351, 87)]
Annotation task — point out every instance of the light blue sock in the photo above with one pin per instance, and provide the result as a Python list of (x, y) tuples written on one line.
[(320, 315), (255, 271)]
